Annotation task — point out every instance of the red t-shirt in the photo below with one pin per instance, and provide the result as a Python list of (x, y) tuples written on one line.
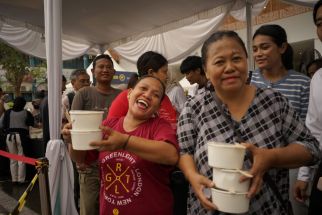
[(130, 184), (120, 106)]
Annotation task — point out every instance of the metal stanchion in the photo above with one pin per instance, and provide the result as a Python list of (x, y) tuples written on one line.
[(42, 166)]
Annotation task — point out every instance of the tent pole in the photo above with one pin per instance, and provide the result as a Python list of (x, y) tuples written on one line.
[(249, 32), (44, 187), (53, 29)]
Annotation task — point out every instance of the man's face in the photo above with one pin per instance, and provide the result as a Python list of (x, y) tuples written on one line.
[(103, 71), (193, 76), (319, 23), (81, 81)]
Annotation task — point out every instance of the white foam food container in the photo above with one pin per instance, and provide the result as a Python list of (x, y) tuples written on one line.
[(225, 155), (228, 179), (230, 202), (83, 120), (82, 139)]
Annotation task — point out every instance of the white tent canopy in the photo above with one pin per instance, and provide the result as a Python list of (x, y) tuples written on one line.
[(74, 27), (174, 28)]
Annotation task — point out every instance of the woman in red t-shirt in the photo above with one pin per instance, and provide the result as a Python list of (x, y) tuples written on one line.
[(137, 154)]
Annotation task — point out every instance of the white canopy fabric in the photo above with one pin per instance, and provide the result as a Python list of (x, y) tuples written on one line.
[(166, 43), (61, 183), (86, 33), (173, 28), (33, 43), (179, 43)]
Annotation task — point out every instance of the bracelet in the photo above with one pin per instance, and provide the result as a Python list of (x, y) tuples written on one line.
[(126, 142)]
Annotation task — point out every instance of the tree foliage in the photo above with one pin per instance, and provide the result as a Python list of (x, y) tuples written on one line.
[(16, 65), (39, 72)]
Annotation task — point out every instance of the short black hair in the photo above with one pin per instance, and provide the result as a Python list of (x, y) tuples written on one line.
[(150, 60), (191, 63), (102, 56), (132, 81), (77, 73), (317, 62), (19, 103), (315, 10), (218, 35), (40, 94)]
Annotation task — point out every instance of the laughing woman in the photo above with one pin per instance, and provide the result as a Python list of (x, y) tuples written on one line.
[(137, 154)]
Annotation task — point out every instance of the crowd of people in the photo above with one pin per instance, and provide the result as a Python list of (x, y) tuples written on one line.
[(153, 158)]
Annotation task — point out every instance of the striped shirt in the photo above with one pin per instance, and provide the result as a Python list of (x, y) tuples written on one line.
[(295, 86)]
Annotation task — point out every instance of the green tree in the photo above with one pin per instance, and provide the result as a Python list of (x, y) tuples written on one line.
[(39, 72), (16, 65)]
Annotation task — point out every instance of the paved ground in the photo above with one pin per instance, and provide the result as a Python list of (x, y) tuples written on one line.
[(9, 195)]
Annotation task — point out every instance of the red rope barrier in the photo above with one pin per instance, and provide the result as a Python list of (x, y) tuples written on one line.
[(31, 161)]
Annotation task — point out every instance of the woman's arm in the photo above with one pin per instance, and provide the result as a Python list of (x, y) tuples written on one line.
[(76, 155), (152, 150), (156, 151), (197, 181), (291, 156)]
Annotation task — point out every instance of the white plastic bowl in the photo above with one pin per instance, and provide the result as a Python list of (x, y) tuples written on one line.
[(228, 179), (82, 139), (86, 120), (225, 155), (230, 202)]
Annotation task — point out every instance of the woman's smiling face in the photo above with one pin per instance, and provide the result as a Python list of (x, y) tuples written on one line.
[(226, 65), (145, 98), (266, 52)]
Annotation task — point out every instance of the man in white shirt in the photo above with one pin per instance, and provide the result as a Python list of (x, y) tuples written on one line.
[(314, 123), (192, 68), (79, 79)]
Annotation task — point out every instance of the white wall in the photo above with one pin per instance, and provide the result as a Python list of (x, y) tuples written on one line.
[(298, 28)]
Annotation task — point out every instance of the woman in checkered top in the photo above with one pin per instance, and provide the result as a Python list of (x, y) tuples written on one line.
[(233, 111)]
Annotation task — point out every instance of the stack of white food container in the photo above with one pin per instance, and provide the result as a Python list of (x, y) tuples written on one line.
[(85, 128), (227, 161)]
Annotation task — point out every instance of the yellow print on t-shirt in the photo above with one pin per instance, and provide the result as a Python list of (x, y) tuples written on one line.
[(122, 181)]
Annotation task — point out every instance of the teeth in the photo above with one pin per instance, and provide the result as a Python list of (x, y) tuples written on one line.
[(143, 102)]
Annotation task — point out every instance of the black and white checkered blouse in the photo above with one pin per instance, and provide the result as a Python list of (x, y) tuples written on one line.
[(269, 123)]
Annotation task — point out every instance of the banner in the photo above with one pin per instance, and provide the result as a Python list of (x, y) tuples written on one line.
[(122, 77)]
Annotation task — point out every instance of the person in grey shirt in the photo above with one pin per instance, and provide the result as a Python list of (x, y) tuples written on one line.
[(98, 97)]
